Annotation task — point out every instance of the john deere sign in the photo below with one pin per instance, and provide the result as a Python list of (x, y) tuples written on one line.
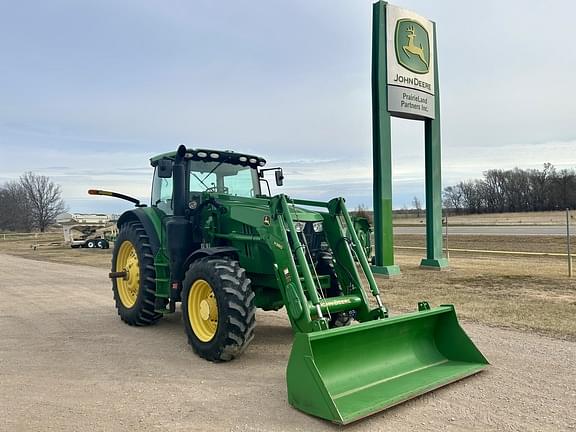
[(404, 84), (410, 64)]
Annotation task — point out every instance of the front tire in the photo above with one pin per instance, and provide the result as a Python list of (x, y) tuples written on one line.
[(218, 308), (134, 294)]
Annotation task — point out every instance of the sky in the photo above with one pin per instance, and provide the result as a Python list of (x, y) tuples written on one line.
[(90, 90)]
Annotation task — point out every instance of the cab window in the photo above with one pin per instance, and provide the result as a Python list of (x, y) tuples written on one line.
[(224, 178), (162, 194), (240, 184)]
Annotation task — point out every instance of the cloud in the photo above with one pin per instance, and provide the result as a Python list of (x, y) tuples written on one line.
[(91, 90)]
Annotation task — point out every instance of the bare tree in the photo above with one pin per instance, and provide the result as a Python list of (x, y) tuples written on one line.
[(417, 205), (516, 190), (362, 211), (14, 208), (453, 198), (44, 198)]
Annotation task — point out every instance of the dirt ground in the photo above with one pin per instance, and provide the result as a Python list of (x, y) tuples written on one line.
[(68, 363)]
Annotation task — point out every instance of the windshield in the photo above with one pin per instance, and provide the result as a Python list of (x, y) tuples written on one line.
[(223, 178)]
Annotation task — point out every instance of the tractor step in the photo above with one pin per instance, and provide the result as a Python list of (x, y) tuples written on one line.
[(160, 306)]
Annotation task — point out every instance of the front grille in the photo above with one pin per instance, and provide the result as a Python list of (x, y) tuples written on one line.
[(313, 239), (248, 230)]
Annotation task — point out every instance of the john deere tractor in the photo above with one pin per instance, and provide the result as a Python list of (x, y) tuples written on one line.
[(216, 241)]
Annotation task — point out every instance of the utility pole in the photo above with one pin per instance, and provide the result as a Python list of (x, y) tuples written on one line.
[(568, 242), (446, 239)]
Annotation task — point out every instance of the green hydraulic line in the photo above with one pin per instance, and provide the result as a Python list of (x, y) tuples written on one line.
[(294, 271), (310, 203), (239, 237), (362, 258), (299, 249)]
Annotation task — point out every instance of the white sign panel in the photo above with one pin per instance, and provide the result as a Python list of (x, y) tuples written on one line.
[(410, 63)]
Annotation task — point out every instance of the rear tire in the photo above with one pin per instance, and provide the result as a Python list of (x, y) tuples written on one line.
[(218, 308), (90, 244), (135, 295)]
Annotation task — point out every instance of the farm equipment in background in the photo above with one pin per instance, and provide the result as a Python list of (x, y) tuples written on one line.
[(89, 231), (213, 241)]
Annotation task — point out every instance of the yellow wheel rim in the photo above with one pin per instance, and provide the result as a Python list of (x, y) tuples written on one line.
[(128, 286), (203, 310)]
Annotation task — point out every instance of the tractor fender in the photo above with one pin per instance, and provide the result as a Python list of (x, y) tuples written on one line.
[(211, 251), (145, 217), (362, 222)]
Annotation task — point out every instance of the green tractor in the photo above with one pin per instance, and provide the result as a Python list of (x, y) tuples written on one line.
[(215, 240)]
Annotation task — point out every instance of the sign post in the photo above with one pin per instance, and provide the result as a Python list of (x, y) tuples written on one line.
[(404, 84)]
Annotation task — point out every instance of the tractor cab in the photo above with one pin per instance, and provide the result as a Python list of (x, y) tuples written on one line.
[(210, 171)]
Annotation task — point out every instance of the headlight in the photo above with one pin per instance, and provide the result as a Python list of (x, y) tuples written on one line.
[(299, 226), (318, 227)]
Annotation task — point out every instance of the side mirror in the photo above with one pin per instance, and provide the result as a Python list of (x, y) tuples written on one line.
[(279, 177), (164, 168)]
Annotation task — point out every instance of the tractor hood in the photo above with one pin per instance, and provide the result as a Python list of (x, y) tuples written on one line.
[(254, 211)]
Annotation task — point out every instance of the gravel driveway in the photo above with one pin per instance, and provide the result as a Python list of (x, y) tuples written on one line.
[(67, 362)]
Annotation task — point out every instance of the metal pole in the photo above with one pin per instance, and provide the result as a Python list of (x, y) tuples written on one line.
[(432, 170), (568, 242), (381, 149), (446, 241)]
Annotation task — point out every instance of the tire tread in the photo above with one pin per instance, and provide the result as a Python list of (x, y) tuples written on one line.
[(142, 313), (237, 312)]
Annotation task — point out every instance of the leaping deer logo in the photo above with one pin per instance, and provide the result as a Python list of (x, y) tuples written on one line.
[(411, 48)]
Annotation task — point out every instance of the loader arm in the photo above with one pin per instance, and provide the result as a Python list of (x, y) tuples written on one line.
[(344, 374), (300, 285)]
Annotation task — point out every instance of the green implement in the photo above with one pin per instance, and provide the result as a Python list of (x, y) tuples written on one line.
[(348, 373)]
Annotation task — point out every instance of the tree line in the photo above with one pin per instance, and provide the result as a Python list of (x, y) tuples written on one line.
[(515, 190), (30, 203)]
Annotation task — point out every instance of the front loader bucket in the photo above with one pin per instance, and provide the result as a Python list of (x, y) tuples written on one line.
[(348, 373)]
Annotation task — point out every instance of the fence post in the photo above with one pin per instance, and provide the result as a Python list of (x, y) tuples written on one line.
[(446, 242), (568, 242)]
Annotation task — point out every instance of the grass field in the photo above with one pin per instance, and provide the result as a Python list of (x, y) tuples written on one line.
[(531, 293), (548, 244), (529, 218), (520, 292)]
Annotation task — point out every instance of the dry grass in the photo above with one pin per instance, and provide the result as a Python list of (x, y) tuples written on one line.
[(523, 292), (529, 218), (51, 248), (550, 244)]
